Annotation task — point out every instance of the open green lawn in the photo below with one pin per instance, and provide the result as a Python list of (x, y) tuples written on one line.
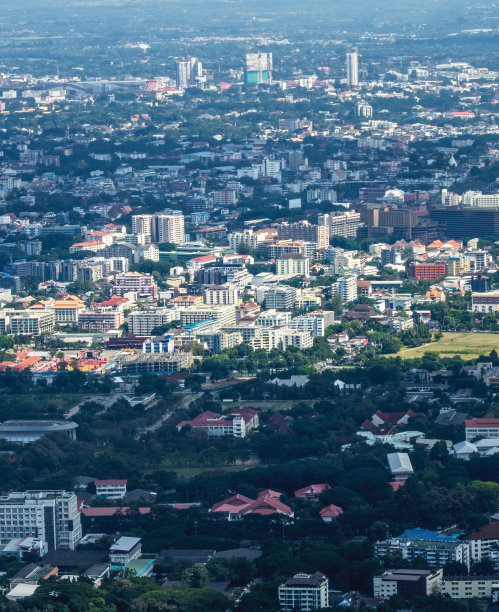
[(467, 345)]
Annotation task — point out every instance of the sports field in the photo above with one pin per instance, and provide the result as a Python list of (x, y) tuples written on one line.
[(467, 345)]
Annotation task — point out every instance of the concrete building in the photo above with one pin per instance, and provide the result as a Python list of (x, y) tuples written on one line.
[(125, 550), (341, 224), (346, 287), (481, 428), (135, 282), (400, 466), (485, 302), (435, 548), (24, 432), (305, 231), (156, 364), (224, 315), (27, 323), (299, 339), (304, 592), (158, 345), (292, 264), (237, 423), (314, 323), (111, 489), (273, 318), (352, 66), (101, 320), (142, 322), (470, 587), (215, 295), (408, 583), (52, 516)]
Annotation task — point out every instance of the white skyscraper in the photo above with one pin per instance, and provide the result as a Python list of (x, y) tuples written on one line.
[(169, 227), (353, 68)]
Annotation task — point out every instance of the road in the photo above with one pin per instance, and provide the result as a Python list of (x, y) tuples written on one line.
[(184, 403)]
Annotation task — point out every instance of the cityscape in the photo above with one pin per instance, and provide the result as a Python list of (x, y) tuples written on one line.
[(249, 306)]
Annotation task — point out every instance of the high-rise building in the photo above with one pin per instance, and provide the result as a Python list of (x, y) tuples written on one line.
[(258, 68), (189, 72), (346, 287), (52, 516), (353, 68), (168, 227)]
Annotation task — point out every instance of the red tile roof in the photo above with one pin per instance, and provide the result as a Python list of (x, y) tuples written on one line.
[(331, 511), (396, 484), (312, 491), (111, 511), (267, 502), (487, 532), (481, 422)]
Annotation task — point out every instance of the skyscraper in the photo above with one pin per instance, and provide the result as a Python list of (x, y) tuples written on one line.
[(189, 72), (258, 68), (183, 74), (353, 68)]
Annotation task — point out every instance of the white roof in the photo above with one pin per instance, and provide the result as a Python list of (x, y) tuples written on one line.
[(125, 543), (487, 443), (20, 591), (465, 448), (399, 463)]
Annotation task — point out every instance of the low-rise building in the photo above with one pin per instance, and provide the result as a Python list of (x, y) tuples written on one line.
[(481, 428), (125, 550), (111, 488), (238, 423), (470, 587), (408, 583)]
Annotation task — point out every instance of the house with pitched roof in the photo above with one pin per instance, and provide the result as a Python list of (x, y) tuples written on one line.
[(328, 513), (267, 503), (312, 492), (386, 422), (238, 423)]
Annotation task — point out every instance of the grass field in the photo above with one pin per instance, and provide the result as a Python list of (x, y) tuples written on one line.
[(466, 345)]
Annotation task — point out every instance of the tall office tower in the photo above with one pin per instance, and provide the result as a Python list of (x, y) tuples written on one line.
[(52, 516), (353, 68), (142, 224), (168, 227), (258, 68), (183, 74)]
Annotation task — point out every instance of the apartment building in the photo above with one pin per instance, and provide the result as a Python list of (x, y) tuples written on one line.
[(28, 323), (306, 232), (470, 587), (304, 592), (167, 226), (299, 339), (435, 548), (293, 264), (215, 295), (278, 298), (273, 318), (427, 271), (315, 323), (346, 287), (101, 320), (51, 516), (341, 224), (135, 282), (224, 315), (142, 322)]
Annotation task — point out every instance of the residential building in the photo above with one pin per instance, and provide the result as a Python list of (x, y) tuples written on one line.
[(135, 282), (237, 423), (51, 516), (273, 318), (315, 323), (352, 64), (408, 583), (341, 224), (27, 323), (400, 466), (435, 548), (167, 226), (101, 320), (312, 492), (293, 264), (224, 315), (221, 294), (111, 489), (346, 287), (142, 322), (277, 298), (483, 542), (427, 271), (304, 592), (299, 339), (305, 231)]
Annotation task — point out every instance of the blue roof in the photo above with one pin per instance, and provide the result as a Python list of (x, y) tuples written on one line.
[(425, 534)]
